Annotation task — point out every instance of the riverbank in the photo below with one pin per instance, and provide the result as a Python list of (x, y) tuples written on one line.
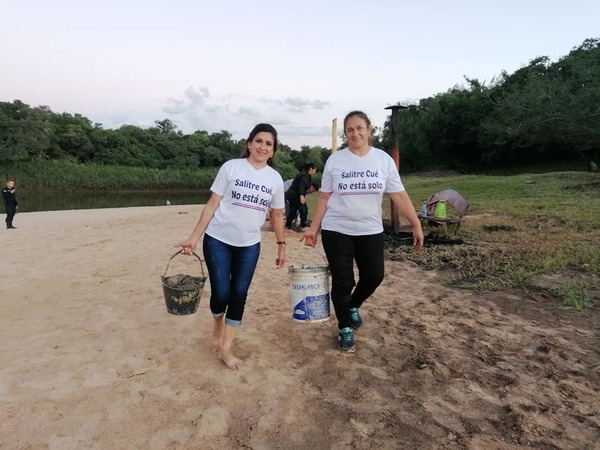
[(64, 175), (89, 357)]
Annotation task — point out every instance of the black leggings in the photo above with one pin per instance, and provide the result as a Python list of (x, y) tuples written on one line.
[(342, 250)]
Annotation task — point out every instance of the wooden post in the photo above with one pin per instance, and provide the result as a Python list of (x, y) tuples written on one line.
[(396, 157), (334, 135), (393, 208)]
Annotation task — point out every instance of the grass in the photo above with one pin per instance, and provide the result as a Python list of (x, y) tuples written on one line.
[(519, 229), (575, 296), (66, 175)]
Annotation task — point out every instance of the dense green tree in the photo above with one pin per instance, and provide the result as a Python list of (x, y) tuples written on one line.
[(282, 162), (72, 136), (25, 132), (543, 112), (165, 126)]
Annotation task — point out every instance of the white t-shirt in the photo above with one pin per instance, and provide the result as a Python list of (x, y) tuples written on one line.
[(357, 184), (248, 193)]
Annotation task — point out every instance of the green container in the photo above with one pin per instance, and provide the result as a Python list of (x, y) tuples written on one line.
[(440, 209)]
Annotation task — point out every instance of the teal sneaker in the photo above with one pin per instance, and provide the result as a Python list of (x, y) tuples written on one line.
[(355, 320), (346, 340)]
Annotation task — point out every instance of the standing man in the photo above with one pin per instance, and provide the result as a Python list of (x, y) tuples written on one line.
[(10, 203), (296, 196), (314, 187), (286, 186)]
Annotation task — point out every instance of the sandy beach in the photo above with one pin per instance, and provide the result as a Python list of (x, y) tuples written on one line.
[(90, 358)]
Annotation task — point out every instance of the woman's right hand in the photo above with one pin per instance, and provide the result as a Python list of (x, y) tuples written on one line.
[(188, 246)]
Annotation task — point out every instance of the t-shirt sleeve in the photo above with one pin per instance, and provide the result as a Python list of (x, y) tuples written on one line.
[(393, 182), (219, 186), (327, 179), (278, 200)]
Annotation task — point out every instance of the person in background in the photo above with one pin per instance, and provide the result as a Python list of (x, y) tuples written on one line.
[(10, 203), (303, 210), (296, 195), (349, 214), (242, 193), (314, 187), (286, 186)]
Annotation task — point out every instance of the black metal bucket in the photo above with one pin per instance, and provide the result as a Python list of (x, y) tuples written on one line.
[(183, 292)]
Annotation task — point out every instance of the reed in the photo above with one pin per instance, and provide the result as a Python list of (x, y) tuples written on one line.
[(66, 175)]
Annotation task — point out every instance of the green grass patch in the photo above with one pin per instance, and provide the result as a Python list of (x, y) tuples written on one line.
[(575, 296), (66, 175), (518, 227)]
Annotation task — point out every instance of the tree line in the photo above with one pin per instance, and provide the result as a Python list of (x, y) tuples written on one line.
[(543, 112), (34, 134)]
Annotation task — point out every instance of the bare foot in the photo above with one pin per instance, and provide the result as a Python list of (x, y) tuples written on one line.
[(217, 333), (230, 360)]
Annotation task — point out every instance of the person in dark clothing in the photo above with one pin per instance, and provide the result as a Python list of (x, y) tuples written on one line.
[(296, 196), (303, 208), (10, 203)]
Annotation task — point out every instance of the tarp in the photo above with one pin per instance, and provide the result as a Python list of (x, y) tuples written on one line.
[(454, 198)]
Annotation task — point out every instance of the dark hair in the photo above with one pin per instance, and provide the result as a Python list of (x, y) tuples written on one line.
[(315, 185), (309, 166), (261, 127), (360, 114)]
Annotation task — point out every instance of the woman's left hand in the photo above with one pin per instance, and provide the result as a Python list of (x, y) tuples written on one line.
[(418, 237)]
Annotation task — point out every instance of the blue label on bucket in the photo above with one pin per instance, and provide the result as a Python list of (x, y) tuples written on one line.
[(312, 307)]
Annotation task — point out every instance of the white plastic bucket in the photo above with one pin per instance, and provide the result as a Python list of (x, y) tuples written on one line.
[(310, 292)]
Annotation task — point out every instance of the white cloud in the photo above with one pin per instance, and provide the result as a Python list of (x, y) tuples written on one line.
[(197, 109), (297, 104)]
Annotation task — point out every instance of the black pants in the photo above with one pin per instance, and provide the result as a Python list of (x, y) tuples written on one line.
[(295, 207), (342, 250), (11, 210), (303, 210)]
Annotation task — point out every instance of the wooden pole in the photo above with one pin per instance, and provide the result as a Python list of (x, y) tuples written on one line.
[(334, 135), (396, 157), (393, 208)]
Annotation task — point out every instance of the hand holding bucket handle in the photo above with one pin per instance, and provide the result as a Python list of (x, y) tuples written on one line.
[(177, 253)]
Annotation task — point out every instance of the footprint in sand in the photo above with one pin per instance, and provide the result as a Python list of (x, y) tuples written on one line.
[(213, 421), (311, 344)]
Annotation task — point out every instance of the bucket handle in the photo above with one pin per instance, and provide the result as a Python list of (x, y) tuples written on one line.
[(177, 253)]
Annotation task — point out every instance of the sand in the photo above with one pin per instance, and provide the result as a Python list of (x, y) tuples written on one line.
[(90, 358)]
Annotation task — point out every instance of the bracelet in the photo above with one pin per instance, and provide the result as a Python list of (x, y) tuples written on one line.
[(281, 243)]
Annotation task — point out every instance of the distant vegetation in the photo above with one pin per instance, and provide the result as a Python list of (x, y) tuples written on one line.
[(546, 112), (44, 149)]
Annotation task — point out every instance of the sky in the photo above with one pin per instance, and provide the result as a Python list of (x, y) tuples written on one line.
[(230, 64)]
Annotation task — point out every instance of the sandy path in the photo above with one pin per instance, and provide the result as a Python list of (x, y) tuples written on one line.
[(89, 357)]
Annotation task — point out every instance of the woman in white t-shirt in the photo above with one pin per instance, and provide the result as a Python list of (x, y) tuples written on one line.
[(243, 191), (349, 214)]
